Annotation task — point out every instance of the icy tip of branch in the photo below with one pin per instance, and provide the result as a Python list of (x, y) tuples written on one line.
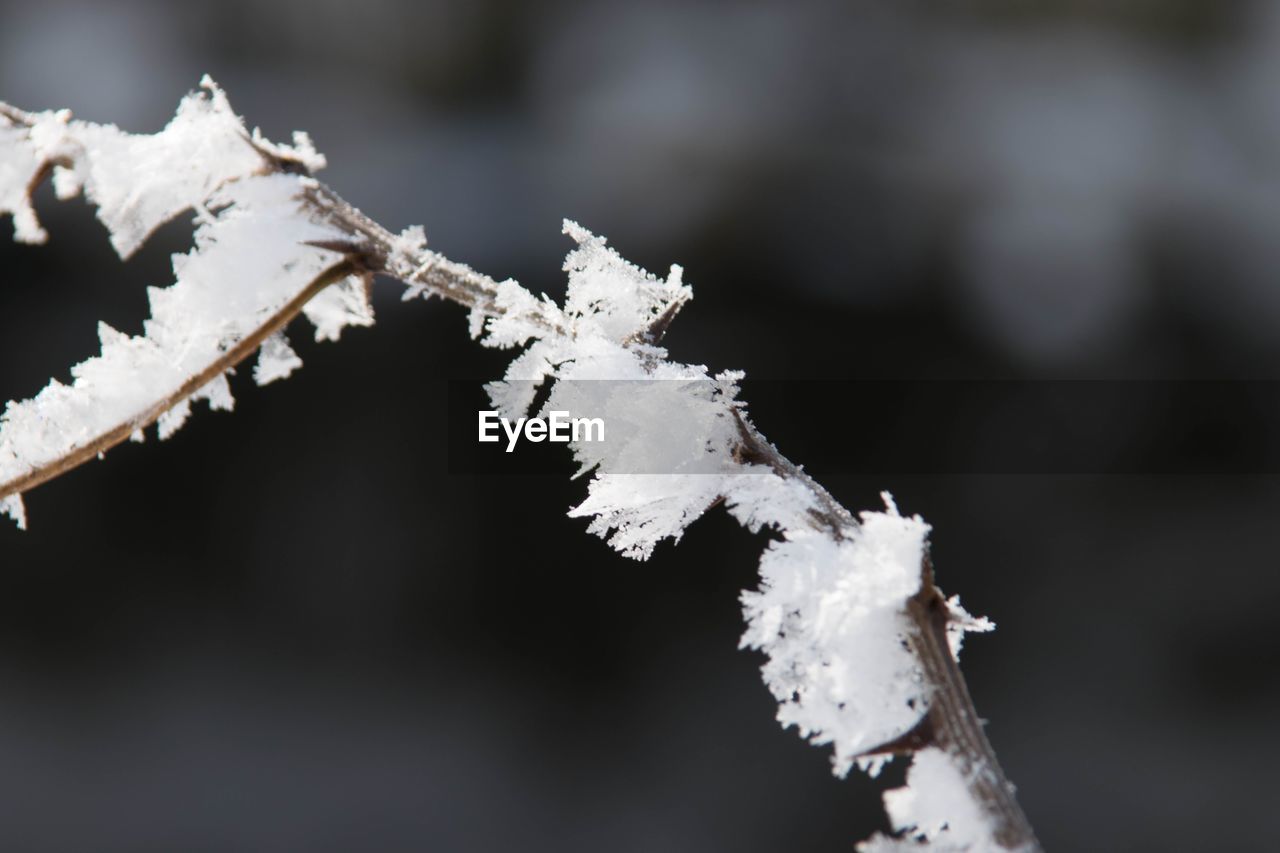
[(609, 296), (12, 506), (302, 151), (410, 243)]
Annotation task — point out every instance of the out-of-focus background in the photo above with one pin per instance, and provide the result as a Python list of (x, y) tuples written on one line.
[(293, 629)]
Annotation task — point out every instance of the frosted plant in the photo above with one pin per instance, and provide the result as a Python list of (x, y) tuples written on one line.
[(860, 645)]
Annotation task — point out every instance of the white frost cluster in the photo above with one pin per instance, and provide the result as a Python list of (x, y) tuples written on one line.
[(249, 261), (933, 811), (667, 417), (12, 507), (137, 182), (829, 615)]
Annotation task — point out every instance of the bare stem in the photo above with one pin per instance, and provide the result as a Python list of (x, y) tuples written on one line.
[(953, 721)]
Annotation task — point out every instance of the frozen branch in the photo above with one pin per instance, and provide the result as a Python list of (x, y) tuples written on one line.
[(860, 645)]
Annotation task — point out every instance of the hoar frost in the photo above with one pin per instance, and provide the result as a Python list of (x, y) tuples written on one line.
[(829, 613), (251, 258)]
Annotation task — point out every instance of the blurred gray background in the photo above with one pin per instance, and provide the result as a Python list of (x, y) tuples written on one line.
[(293, 629)]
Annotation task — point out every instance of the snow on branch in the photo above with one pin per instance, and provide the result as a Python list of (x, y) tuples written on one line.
[(860, 646), (254, 265)]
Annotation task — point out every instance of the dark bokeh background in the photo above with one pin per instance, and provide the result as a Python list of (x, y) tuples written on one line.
[(293, 629)]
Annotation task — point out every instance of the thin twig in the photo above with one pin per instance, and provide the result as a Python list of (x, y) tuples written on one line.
[(954, 723), (105, 441)]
